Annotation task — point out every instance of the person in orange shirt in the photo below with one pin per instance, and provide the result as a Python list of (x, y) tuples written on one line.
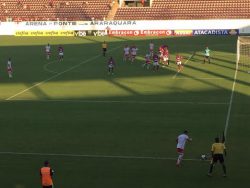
[(46, 174)]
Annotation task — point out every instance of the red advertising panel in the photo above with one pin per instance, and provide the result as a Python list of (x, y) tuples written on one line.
[(139, 33)]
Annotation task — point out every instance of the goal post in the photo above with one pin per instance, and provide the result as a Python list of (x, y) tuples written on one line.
[(243, 53)]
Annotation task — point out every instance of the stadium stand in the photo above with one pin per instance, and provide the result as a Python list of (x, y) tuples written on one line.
[(187, 10), (31, 10), (16, 10)]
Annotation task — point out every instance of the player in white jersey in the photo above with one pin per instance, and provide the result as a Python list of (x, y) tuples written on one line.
[(151, 48), (181, 142), (9, 68), (126, 50), (48, 51), (133, 52)]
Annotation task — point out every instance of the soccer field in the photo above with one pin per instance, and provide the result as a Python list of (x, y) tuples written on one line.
[(110, 131)]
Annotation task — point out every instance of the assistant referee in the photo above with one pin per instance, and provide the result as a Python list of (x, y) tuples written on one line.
[(218, 151)]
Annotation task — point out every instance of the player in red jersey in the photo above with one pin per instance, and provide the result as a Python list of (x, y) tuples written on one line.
[(111, 65), (147, 61), (9, 68), (165, 56), (60, 53), (179, 63), (156, 62), (161, 51)]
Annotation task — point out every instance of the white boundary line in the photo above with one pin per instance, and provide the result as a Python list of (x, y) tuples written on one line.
[(211, 78), (58, 74), (231, 101), (184, 64), (128, 102), (94, 156), (48, 70)]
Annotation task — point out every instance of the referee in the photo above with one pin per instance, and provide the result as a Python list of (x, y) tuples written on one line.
[(104, 48), (218, 151)]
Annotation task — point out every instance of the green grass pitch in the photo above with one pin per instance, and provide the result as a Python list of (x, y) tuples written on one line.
[(74, 107)]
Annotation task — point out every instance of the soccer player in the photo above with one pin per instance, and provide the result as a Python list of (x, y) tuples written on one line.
[(104, 48), (165, 56), (147, 61), (133, 51), (181, 142), (151, 48), (48, 51), (111, 65), (179, 63), (126, 50), (161, 51), (218, 151), (9, 68), (206, 55), (46, 174), (60, 53), (155, 62)]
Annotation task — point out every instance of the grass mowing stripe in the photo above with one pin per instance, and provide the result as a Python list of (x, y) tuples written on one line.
[(59, 74), (132, 102), (94, 156)]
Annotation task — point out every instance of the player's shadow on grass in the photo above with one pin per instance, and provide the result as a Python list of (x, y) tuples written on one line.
[(218, 75), (128, 89)]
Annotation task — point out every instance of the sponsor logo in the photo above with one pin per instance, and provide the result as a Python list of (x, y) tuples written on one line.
[(44, 33), (215, 32), (139, 32), (234, 32), (89, 33), (183, 32), (80, 33)]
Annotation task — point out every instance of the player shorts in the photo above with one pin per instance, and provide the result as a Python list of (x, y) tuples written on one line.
[(147, 62), (104, 49), (51, 186), (60, 53), (206, 56), (48, 53), (178, 63), (218, 157), (110, 66), (165, 58), (179, 150), (155, 63)]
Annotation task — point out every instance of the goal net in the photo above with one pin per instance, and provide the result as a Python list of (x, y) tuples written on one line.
[(243, 53)]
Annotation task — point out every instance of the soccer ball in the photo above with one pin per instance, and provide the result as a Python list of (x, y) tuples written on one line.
[(203, 157)]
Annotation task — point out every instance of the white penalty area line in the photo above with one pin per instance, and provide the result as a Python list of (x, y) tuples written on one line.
[(48, 70), (93, 156), (59, 74), (184, 64), (124, 102)]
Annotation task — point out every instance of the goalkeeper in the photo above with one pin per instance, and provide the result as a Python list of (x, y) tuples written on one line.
[(218, 151), (206, 55)]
